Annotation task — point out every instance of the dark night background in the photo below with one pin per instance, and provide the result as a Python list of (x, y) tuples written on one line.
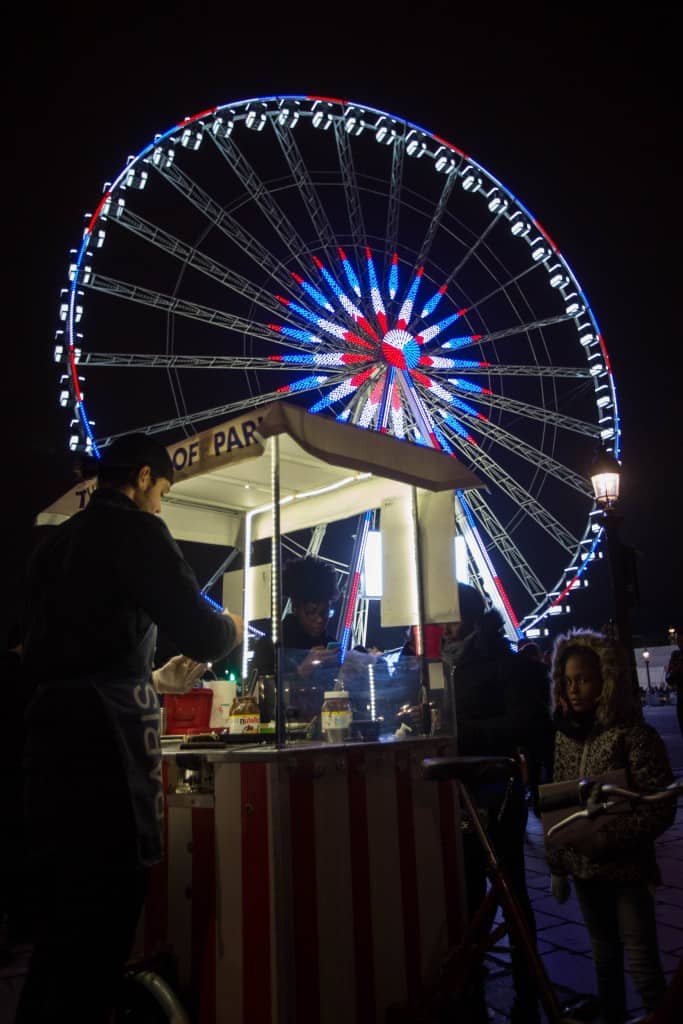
[(579, 116)]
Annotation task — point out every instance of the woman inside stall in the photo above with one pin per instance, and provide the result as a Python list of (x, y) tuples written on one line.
[(310, 652)]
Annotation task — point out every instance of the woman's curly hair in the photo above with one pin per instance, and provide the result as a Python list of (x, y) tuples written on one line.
[(310, 579), (618, 702)]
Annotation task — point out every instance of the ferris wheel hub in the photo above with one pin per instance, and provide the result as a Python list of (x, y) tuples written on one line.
[(400, 349)]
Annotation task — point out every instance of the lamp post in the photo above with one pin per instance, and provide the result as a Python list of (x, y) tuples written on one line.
[(646, 659), (605, 473)]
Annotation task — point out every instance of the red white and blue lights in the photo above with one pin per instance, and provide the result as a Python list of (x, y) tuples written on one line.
[(365, 328)]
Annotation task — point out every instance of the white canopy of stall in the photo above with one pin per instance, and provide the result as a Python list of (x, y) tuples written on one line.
[(221, 473)]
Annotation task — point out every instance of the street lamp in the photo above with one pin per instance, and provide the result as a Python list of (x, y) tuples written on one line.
[(646, 659), (605, 474)]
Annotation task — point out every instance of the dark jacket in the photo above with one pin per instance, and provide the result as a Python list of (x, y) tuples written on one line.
[(99, 582), (637, 747), (499, 698), (613, 735), (97, 588)]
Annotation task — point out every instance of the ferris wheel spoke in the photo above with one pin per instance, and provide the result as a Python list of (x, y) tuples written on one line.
[(191, 256), (263, 199), (525, 501), (453, 274), (203, 415), (368, 409), (417, 410), (501, 289), (182, 307), (504, 544), (174, 360), (394, 205), (535, 412), (512, 442), (434, 224), (506, 369), (464, 341), (228, 225), (558, 470), (307, 190), (353, 207)]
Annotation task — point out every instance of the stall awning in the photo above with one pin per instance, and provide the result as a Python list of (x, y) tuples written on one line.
[(223, 472)]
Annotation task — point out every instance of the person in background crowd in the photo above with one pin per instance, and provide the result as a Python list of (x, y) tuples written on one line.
[(600, 727), (499, 709), (674, 676), (538, 768), (97, 589)]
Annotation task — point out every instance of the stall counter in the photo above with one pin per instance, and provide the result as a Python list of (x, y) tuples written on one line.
[(316, 883)]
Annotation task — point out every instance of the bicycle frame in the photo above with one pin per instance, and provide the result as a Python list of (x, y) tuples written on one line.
[(473, 949)]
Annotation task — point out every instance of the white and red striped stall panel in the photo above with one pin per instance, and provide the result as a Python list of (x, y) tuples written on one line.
[(336, 873)]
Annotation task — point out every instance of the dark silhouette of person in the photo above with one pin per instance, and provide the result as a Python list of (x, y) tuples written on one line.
[(97, 589), (539, 761), (498, 710), (674, 676), (309, 664), (16, 692)]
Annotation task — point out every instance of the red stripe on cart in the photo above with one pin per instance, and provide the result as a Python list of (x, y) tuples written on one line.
[(203, 962), (408, 869), (305, 910), (256, 917), (360, 888)]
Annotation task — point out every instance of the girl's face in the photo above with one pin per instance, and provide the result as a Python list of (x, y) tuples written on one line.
[(582, 683), (313, 616)]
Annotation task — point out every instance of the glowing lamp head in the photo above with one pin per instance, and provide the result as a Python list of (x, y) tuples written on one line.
[(605, 473)]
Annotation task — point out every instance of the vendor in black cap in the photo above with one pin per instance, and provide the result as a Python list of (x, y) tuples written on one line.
[(97, 588)]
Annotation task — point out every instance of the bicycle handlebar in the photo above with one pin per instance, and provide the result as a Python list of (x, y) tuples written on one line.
[(609, 789), (596, 796)]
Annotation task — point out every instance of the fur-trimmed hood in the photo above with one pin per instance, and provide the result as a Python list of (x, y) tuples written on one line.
[(618, 702)]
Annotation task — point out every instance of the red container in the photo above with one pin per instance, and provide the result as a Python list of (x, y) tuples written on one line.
[(188, 713), (431, 635)]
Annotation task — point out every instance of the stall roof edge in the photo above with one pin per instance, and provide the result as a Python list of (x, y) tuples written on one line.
[(380, 454)]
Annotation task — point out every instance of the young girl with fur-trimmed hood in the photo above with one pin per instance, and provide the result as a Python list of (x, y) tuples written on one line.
[(600, 727)]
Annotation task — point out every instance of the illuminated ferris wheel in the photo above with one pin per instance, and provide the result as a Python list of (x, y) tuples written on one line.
[(353, 262)]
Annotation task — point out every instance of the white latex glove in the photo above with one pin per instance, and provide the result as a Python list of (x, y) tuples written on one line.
[(178, 675), (560, 888)]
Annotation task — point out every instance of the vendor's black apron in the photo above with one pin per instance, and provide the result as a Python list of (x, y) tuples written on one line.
[(93, 762)]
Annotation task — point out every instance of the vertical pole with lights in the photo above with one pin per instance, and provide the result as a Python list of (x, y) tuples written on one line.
[(646, 659), (605, 473)]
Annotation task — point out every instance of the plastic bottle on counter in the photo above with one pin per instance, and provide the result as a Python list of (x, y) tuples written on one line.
[(336, 716), (244, 716)]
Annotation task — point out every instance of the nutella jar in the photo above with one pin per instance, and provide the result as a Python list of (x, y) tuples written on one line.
[(336, 715), (244, 716)]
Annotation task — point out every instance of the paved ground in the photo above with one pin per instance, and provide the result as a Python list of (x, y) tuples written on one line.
[(562, 937)]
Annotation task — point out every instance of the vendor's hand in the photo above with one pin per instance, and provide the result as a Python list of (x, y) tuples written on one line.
[(178, 675), (238, 622), (316, 657), (560, 888)]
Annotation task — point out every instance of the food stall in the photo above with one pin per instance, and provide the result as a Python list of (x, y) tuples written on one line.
[(307, 881)]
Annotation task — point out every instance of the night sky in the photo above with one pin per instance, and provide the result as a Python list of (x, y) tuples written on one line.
[(578, 116)]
